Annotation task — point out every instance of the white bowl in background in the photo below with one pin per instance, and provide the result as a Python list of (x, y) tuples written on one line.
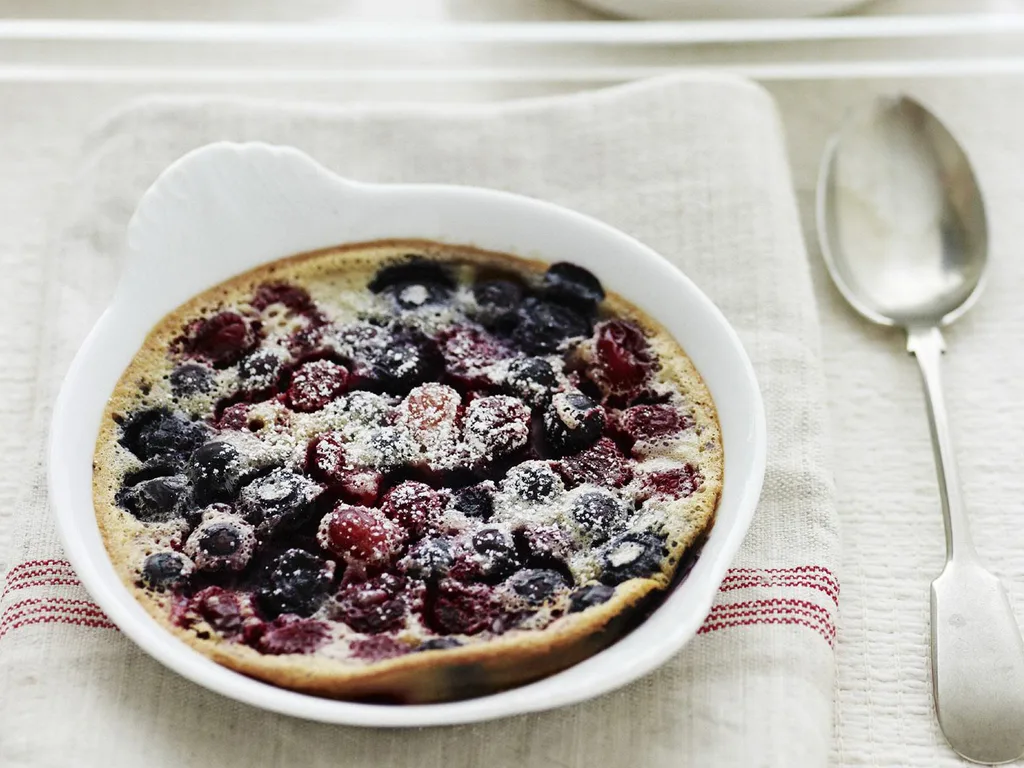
[(226, 208), (719, 9)]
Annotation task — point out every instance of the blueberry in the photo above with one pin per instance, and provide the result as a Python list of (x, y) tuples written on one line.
[(408, 360), (475, 500), (632, 556), (157, 499), (259, 370), (543, 325), (573, 285), (414, 283), (537, 585), (496, 303), (158, 432), (589, 596), (190, 379), (438, 644), (572, 422), (533, 481), (497, 554), (163, 570), (429, 559), (295, 582), (221, 543), (215, 471), (532, 380), (281, 499), (599, 514)]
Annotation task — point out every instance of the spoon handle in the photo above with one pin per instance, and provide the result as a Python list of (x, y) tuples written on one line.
[(927, 345), (977, 651)]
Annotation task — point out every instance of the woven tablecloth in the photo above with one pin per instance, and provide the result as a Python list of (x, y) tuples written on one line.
[(695, 168)]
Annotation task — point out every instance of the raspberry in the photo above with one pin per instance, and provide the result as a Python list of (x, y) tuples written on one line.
[(315, 384), (327, 463), (378, 648), (601, 464), (414, 506), (469, 354), (361, 535), (496, 427), (465, 609), (624, 360), (292, 634), (220, 609), (376, 605), (294, 298), (649, 422), (676, 483), (223, 339)]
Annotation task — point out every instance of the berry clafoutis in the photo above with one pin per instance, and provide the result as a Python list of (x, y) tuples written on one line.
[(405, 471)]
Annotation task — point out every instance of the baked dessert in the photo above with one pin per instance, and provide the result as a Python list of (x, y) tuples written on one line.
[(404, 471)]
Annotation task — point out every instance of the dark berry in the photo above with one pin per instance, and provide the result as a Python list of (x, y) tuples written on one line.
[(191, 379), (573, 285), (408, 360), (600, 464), (600, 515), (373, 606), (678, 483), (281, 499), (315, 384), (165, 570), (649, 422), (624, 360), (496, 303), (536, 585), (215, 471), (589, 596), (259, 370), (496, 556), (361, 535), (220, 609), (414, 506), (158, 432), (572, 422), (292, 634), (465, 609), (295, 582), (533, 481), (429, 559), (223, 339), (291, 296), (469, 355), (157, 499), (221, 543), (632, 556), (475, 501), (531, 379), (496, 427), (438, 644), (543, 325), (414, 283)]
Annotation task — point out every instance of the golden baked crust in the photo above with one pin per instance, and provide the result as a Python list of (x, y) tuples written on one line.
[(482, 666)]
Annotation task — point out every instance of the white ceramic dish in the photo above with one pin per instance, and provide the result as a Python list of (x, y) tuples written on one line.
[(225, 208), (719, 9)]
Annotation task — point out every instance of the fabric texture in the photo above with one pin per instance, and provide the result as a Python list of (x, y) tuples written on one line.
[(694, 167)]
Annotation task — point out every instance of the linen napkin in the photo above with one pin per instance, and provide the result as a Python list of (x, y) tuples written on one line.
[(695, 167)]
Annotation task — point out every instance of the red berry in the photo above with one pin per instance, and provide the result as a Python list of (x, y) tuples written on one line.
[(469, 354), (414, 506), (315, 384), (220, 609), (379, 604), (466, 609), (649, 422), (623, 358), (496, 427), (294, 298), (674, 483), (362, 486), (429, 408), (327, 462), (234, 417), (378, 648), (292, 634), (361, 535), (223, 339), (600, 464)]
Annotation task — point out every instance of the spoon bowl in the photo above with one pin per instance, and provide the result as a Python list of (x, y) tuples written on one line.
[(901, 217)]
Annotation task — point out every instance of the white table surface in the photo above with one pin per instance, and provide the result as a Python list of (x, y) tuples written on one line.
[(39, 134)]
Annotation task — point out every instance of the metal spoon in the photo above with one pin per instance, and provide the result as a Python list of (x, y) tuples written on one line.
[(903, 232)]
